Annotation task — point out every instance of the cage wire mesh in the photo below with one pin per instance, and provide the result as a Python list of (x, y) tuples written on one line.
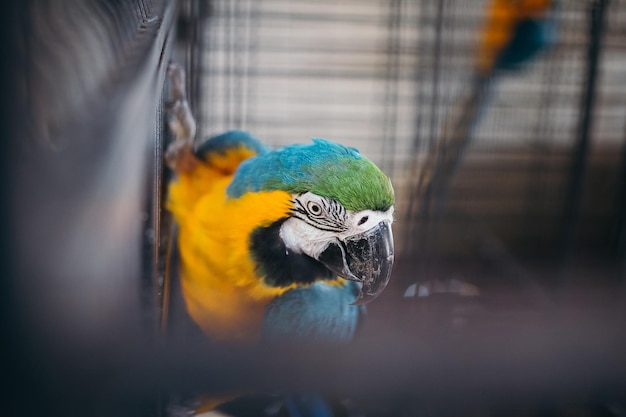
[(388, 77)]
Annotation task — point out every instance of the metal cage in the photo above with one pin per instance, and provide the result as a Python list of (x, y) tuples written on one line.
[(508, 292)]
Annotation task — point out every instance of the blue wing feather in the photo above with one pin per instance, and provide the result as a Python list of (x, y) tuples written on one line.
[(529, 38), (320, 312), (231, 140)]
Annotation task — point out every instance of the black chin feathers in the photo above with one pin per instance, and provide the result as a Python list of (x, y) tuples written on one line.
[(280, 267)]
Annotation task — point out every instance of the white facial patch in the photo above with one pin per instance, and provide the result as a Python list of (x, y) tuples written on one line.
[(301, 237), (317, 221)]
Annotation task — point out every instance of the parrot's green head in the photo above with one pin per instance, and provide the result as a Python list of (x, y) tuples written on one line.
[(340, 221)]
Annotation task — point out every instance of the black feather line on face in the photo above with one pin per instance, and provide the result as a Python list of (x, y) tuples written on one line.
[(279, 267), (332, 218)]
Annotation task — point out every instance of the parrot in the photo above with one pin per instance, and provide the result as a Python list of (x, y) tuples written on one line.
[(513, 34), (276, 244), (267, 235)]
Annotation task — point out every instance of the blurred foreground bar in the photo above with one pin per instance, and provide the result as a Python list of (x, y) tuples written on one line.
[(573, 358), (82, 83)]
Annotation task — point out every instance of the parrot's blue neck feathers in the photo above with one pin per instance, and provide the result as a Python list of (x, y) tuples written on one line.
[(323, 168), (277, 266)]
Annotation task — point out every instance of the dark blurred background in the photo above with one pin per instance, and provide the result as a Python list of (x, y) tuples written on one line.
[(502, 125)]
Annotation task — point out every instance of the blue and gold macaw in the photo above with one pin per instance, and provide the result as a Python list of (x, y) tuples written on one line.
[(281, 243), (513, 34), (276, 244)]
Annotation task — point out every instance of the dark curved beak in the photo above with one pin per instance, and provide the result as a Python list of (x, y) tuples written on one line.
[(366, 258)]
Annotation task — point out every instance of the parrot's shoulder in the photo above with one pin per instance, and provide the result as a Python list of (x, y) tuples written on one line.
[(227, 150), (319, 312)]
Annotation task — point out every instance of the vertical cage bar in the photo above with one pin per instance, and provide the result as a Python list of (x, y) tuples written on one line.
[(390, 120), (578, 167)]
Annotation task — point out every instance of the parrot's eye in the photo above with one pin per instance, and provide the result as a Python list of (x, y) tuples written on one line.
[(314, 208), (320, 212)]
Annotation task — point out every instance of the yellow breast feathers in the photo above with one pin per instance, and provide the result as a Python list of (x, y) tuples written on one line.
[(221, 290)]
